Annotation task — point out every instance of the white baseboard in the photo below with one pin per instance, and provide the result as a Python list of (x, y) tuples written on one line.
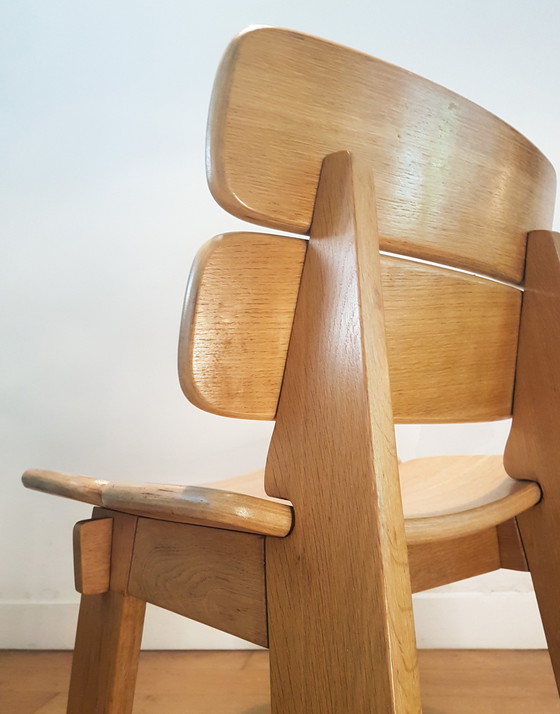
[(52, 626), (471, 620), (443, 621)]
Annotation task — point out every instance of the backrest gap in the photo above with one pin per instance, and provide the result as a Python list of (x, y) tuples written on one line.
[(445, 266)]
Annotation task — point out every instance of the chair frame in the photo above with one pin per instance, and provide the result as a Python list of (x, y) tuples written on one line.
[(326, 583), (533, 447), (333, 604)]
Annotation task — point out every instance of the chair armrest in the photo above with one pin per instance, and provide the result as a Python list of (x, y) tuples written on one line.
[(198, 505)]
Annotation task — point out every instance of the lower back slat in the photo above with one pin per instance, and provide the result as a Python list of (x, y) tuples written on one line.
[(452, 336)]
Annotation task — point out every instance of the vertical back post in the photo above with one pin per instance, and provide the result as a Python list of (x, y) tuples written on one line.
[(341, 629), (533, 448)]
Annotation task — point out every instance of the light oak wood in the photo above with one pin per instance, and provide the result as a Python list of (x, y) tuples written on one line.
[(217, 508), (92, 555), (446, 497), (237, 317), (78, 488), (453, 682), (452, 496), (122, 548), (210, 575), (106, 652), (533, 448), (441, 562), (443, 497), (109, 634), (454, 184), (341, 634), (251, 484), (202, 506), (512, 552), (451, 336)]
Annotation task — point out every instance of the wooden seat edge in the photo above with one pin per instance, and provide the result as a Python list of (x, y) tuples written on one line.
[(225, 505)]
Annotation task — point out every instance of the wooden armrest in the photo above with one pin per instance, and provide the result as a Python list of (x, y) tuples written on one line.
[(198, 505), (79, 488)]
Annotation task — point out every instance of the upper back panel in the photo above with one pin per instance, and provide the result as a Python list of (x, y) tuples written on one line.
[(454, 184)]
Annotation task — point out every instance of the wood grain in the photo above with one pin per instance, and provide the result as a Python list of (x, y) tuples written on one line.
[(106, 653), (512, 552), (533, 448), (209, 575), (109, 635), (443, 497), (340, 613), (453, 682), (237, 317), (441, 562), (92, 555), (454, 184), (199, 505), (451, 336), (79, 488), (451, 496), (218, 508)]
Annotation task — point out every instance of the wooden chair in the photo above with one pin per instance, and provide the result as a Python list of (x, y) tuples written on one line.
[(337, 342)]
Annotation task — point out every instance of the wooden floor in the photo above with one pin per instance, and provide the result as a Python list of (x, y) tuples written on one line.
[(453, 682)]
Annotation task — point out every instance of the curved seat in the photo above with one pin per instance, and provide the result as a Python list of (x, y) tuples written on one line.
[(452, 496), (443, 497)]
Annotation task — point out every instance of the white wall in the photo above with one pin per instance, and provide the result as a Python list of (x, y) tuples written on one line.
[(104, 204)]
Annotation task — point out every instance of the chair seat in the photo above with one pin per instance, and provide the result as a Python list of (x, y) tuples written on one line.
[(443, 497), (451, 496)]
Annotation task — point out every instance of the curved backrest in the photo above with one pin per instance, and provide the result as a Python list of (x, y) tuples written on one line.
[(451, 336), (453, 185)]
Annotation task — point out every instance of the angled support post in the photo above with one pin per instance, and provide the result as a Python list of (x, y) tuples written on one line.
[(533, 448), (110, 621), (341, 632)]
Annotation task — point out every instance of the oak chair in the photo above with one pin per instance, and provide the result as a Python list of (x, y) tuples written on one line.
[(453, 321)]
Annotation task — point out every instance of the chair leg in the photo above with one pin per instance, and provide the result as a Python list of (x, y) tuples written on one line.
[(110, 622), (540, 533), (533, 448), (341, 631), (106, 654), (342, 653)]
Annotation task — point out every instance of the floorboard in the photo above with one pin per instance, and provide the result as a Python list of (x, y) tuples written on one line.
[(453, 682)]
